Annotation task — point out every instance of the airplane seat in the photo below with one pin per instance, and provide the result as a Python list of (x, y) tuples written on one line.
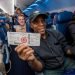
[(62, 20), (3, 32), (54, 18), (51, 20), (69, 72), (3, 37), (48, 21), (2, 18)]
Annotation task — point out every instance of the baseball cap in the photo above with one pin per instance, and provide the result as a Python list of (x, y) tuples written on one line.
[(35, 14)]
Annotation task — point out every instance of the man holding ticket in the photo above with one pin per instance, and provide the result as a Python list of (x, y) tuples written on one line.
[(49, 56)]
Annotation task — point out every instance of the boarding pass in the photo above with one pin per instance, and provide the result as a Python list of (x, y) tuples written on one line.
[(16, 38)]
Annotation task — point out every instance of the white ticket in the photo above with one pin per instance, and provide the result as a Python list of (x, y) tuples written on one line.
[(16, 38)]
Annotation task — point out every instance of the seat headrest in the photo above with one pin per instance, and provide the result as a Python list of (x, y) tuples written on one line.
[(64, 17), (2, 18)]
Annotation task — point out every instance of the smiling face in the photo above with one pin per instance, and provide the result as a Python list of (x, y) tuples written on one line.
[(39, 25), (21, 20)]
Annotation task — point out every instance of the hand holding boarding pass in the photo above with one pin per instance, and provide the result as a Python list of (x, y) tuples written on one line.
[(16, 38)]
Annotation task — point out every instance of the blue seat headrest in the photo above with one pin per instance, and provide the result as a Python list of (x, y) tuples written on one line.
[(2, 18), (64, 17)]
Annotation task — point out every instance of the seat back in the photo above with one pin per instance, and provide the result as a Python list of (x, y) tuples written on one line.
[(62, 20)]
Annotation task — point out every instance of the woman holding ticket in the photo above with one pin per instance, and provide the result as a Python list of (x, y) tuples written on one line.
[(49, 56)]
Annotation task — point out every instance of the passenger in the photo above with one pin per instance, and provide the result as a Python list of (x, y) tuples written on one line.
[(17, 13), (18, 66), (49, 56), (71, 26), (9, 22), (22, 24), (72, 30)]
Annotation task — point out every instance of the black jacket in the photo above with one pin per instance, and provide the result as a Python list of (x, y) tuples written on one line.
[(51, 50)]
